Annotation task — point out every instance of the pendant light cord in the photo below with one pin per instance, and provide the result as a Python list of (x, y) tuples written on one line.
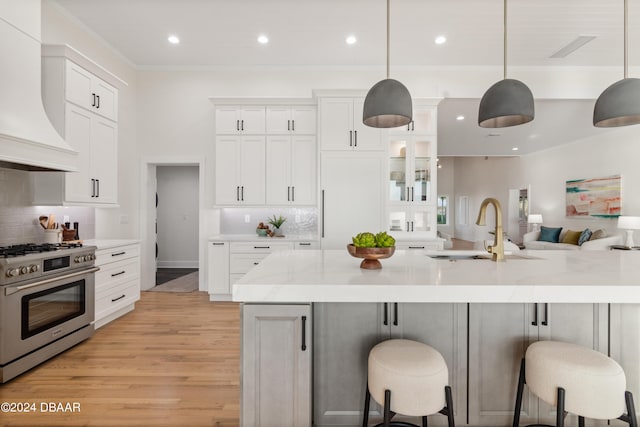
[(388, 25), (504, 39), (626, 42)]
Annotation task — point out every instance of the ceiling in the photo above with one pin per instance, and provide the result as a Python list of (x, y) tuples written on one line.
[(311, 33)]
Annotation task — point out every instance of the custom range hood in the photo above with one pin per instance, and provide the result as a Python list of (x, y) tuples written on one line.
[(28, 140)]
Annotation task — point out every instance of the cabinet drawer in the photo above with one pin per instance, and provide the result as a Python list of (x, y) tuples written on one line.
[(242, 263), (124, 294), (260, 247), (106, 256), (111, 275), (307, 245)]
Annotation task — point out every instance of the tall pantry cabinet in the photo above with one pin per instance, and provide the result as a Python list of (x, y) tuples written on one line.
[(81, 100)]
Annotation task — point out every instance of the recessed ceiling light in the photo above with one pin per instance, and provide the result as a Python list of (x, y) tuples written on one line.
[(351, 40), (173, 39), (514, 149), (460, 117), (440, 40), (262, 39)]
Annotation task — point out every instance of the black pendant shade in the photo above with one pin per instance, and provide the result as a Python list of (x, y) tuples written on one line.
[(508, 102), (387, 105)]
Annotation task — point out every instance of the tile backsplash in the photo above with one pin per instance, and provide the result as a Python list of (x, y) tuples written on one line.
[(19, 220), (300, 221)]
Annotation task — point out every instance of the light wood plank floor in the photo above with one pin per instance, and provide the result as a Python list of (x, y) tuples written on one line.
[(173, 361)]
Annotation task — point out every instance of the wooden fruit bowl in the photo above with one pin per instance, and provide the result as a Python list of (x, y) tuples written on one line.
[(370, 255)]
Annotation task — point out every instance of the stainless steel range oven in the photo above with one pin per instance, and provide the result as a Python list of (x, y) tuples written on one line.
[(46, 303)]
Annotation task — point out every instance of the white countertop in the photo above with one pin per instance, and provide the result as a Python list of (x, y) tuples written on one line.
[(109, 243), (255, 237), (412, 276)]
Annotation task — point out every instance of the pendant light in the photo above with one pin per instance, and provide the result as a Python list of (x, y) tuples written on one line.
[(619, 104), (388, 103), (509, 102)]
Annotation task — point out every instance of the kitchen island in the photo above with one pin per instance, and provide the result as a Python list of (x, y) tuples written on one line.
[(481, 315)]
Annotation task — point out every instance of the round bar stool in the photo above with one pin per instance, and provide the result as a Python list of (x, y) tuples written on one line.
[(575, 379), (408, 378)]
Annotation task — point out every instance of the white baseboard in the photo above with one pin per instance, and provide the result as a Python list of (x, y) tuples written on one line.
[(177, 264)]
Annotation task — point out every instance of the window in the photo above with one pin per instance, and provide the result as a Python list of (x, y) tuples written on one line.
[(443, 210)]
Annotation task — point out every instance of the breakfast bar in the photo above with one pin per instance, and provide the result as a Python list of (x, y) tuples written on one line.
[(310, 318)]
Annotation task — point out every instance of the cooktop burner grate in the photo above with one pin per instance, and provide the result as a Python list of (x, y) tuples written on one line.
[(33, 248)]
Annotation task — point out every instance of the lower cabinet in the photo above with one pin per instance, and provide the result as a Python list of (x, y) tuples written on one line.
[(624, 347), (117, 283), (276, 365), (499, 335), (344, 333)]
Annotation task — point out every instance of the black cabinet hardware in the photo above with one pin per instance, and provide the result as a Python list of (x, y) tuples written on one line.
[(117, 274), (120, 297), (535, 314), (304, 333), (385, 322)]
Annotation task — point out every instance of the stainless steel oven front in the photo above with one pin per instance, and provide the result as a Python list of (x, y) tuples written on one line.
[(42, 318)]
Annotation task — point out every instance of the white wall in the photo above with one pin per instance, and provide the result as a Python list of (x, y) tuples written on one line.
[(177, 216)]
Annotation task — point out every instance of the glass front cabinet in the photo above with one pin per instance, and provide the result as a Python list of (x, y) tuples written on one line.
[(411, 186)]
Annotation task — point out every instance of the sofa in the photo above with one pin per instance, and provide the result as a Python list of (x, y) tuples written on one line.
[(597, 240)]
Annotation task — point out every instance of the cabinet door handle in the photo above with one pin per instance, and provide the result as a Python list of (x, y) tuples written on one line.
[(385, 322), (97, 188), (94, 100), (407, 193), (355, 138), (98, 103), (288, 124), (256, 263), (217, 243), (407, 225), (288, 194), (262, 247), (545, 322), (322, 212), (242, 125), (238, 125), (237, 193), (413, 125), (242, 193), (293, 194), (304, 244), (118, 274), (93, 187), (535, 314), (118, 253), (395, 314), (411, 225), (408, 127), (350, 138), (304, 333), (116, 299), (293, 125), (412, 193)]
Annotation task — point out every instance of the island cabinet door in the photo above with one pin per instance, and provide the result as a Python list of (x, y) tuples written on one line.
[(344, 333), (276, 365), (624, 330), (499, 335), (443, 327)]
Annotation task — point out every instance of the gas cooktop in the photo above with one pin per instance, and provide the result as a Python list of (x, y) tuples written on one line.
[(33, 248)]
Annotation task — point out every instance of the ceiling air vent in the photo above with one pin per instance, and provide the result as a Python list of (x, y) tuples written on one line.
[(574, 45)]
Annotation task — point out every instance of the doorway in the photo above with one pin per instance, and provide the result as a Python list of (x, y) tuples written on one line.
[(176, 222)]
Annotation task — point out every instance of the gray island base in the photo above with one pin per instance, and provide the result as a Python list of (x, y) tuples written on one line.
[(310, 319)]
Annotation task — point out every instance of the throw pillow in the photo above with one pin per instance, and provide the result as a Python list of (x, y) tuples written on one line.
[(584, 236), (571, 237), (598, 234), (548, 234)]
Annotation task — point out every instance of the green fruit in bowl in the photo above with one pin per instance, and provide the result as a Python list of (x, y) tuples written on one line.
[(364, 240), (383, 240)]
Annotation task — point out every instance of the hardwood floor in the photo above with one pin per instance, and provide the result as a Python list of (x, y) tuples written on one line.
[(173, 361)]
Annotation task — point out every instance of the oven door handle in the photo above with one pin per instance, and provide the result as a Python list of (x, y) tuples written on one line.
[(13, 290)]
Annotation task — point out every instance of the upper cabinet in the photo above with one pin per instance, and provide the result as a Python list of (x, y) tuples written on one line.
[(424, 120), (291, 170), (83, 108), (247, 120), (240, 170), (288, 120), (341, 126), (90, 92)]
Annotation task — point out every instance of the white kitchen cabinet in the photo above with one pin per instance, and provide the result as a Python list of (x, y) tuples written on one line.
[(90, 92), (240, 170), (499, 335), (89, 129), (425, 119), (341, 126), (352, 199), (218, 270), (247, 120), (291, 170), (347, 332), (117, 283), (287, 120), (276, 365)]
